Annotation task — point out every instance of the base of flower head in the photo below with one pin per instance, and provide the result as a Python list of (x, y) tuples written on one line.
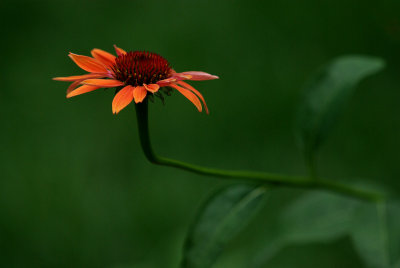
[(161, 94)]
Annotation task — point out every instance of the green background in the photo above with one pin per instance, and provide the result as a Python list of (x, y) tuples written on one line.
[(75, 187)]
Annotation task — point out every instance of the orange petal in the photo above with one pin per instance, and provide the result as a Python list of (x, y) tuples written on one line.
[(78, 77), (119, 51), (189, 95), (88, 64), (81, 90), (103, 82), (103, 56), (197, 76), (153, 88), (73, 86), (168, 81), (122, 99), (186, 85), (139, 93)]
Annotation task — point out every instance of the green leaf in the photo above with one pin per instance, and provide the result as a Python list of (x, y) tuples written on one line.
[(326, 95), (222, 217), (314, 217), (321, 217), (393, 223), (376, 234)]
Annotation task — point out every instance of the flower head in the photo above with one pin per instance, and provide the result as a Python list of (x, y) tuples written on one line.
[(135, 74)]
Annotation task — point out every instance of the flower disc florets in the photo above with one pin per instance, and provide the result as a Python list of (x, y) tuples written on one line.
[(138, 68)]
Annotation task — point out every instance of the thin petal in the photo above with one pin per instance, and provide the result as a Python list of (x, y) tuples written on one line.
[(193, 75), (168, 81), (103, 82), (78, 77), (88, 64), (186, 85), (153, 88), (189, 95), (73, 86), (139, 93), (119, 51), (197, 76), (81, 90), (103, 56), (122, 99)]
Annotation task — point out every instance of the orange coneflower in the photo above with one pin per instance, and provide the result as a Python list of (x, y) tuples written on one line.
[(134, 74)]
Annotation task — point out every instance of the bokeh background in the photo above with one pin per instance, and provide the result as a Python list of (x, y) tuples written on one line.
[(75, 187)]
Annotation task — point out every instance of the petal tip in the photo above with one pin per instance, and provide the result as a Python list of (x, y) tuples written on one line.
[(119, 50)]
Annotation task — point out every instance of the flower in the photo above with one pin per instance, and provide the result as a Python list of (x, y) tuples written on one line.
[(135, 74)]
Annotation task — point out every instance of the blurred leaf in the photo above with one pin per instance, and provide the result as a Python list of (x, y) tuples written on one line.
[(221, 218), (370, 236), (393, 223), (322, 217), (314, 217), (326, 95), (376, 234), (319, 216)]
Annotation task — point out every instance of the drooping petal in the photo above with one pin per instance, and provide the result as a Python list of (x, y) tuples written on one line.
[(119, 51), (196, 76), (122, 99), (73, 86), (189, 95), (88, 64), (103, 82), (81, 90), (193, 75), (103, 56), (153, 88), (168, 81), (139, 93), (78, 77), (186, 85)]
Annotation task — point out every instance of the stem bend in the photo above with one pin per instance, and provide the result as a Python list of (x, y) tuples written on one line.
[(267, 178)]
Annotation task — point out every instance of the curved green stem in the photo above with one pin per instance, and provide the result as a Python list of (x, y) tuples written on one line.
[(268, 178)]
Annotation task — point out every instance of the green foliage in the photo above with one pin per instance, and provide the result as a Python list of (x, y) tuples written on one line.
[(376, 234), (317, 217), (312, 218), (222, 217), (322, 217), (325, 96)]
